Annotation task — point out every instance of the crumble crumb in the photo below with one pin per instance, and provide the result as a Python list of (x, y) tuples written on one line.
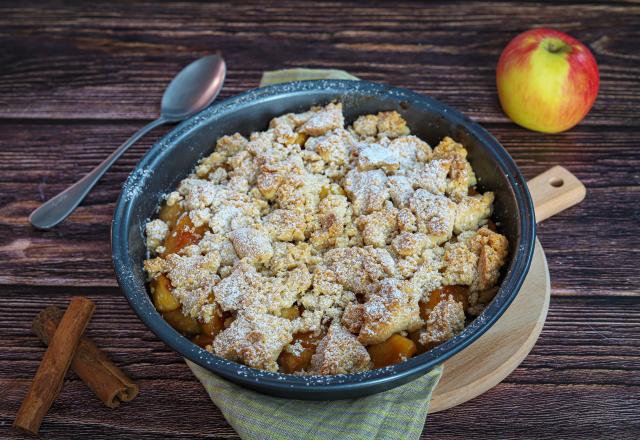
[(444, 322), (156, 231), (339, 352)]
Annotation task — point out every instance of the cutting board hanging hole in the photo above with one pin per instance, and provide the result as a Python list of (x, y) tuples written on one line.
[(555, 190)]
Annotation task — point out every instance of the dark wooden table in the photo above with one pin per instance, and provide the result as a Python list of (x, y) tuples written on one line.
[(77, 79)]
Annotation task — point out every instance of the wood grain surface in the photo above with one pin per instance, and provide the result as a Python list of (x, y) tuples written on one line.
[(77, 78)]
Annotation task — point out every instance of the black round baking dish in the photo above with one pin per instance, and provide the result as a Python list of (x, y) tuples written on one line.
[(175, 155)]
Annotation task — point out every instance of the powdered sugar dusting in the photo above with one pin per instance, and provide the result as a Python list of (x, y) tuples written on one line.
[(134, 185), (336, 378)]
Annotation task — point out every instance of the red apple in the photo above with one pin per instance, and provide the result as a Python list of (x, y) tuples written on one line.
[(547, 81)]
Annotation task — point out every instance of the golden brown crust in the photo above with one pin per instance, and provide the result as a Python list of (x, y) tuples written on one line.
[(254, 339), (353, 317), (473, 211), (323, 120), (392, 308), (444, 322), (339, 352), (493, 250)]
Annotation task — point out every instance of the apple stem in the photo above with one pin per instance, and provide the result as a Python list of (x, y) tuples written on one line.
[(551, 47)]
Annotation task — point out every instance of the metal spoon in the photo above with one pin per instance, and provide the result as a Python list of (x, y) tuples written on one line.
[(193, 89)]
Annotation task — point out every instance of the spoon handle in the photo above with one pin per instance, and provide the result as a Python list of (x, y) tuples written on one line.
[(59, 207)]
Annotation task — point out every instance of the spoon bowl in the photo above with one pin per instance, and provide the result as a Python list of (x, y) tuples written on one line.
[(194, 88)]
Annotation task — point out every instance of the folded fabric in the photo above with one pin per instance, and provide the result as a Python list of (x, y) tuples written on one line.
[(396, 414)]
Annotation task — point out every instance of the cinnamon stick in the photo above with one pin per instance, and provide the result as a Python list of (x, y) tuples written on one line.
[(95, 369), (56, 361)]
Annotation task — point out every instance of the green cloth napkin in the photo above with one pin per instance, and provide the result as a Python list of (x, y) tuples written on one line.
[(396, 414), (288, 75)]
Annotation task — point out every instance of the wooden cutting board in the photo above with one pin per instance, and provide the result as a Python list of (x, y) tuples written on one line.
[(490, 359)]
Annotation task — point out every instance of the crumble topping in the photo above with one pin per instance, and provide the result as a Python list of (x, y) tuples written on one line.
[(472, 212), (444, 322), (317, 240), (392, 308), (339, 352), (156, 231), (255, 339), (435, 215), (251, 244), (367, 190), (323, 120)]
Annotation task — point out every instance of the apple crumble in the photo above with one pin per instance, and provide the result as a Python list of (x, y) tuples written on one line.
[(312, 248)]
